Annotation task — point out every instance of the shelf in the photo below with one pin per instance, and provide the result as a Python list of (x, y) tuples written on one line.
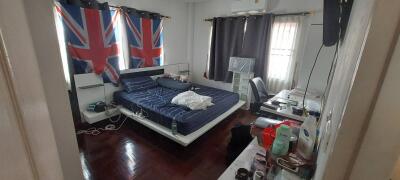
[(93, 117), (91, 86)]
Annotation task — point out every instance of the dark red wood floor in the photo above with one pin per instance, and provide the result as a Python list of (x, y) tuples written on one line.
[(136, 152)]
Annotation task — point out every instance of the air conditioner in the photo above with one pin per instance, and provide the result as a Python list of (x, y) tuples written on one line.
[(241, 6)]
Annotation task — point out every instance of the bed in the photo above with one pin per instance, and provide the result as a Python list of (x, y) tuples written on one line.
[(152, 108)]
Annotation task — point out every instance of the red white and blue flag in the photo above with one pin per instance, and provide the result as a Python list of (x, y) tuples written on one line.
[(145, 40), (91, 40)]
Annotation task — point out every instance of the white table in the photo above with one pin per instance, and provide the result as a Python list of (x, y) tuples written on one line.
[(244, 159), (311, 102)]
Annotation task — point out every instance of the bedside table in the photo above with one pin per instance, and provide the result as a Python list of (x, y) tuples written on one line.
[(93, 117)]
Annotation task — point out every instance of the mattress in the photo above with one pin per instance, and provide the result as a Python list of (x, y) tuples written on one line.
[(155, 106)]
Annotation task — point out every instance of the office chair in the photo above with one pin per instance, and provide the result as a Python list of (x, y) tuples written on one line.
[(260, 93)]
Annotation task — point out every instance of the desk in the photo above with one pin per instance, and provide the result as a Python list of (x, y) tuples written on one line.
[(312, 103), (244, 159)]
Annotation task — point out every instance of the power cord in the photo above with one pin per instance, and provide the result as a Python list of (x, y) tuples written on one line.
[(110, 110), (109, 127), (333, 64), (112, 127), (309, 77), (331, 73)]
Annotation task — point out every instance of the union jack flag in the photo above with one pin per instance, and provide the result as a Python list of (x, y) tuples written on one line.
[(145, 39), (91, 40)]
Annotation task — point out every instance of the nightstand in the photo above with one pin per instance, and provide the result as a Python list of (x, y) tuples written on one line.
[(93, 117)]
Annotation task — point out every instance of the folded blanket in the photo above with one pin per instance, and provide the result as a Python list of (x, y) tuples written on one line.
[(192, 100)]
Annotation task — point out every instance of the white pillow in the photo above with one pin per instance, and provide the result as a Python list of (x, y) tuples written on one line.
[(192, 100)]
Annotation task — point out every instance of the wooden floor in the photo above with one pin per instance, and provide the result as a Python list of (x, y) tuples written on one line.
[(135, 152)]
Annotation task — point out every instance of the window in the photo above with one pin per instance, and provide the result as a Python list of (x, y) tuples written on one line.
[(122, 63), (119, 59), (281, 62)]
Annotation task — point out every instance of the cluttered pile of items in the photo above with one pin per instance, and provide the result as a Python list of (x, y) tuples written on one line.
[(290, 152)]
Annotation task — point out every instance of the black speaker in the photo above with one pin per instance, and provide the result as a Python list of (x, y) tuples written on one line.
[(336, 18), (345, 15), (331, 27)]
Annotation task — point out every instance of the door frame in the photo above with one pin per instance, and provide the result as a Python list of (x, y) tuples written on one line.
[(380, 143), (12, 125), (37, 78)]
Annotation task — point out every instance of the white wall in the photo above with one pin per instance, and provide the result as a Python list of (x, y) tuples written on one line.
[(313, 40), (364, 54), (175, 29), (216, 8), (201, 38), (349, 53)]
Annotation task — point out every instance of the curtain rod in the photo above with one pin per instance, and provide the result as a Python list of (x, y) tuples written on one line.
[(119, 7), (262, 13)]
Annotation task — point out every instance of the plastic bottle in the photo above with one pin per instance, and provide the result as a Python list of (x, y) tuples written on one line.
[(280, 146), (174, 127), (307, 137)]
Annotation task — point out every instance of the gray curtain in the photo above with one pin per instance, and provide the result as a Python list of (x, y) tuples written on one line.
[(256, 42), (226, 41)]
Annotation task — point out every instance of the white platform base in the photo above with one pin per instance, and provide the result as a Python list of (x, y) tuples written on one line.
[(181, 139)]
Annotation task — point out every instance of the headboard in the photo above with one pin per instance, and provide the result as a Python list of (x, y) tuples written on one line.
[(134, 74), (178, 69)]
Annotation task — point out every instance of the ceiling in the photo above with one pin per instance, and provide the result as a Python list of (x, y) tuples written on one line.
[(196, 0)]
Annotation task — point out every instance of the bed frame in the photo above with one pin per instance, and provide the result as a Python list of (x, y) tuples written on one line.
[(179, 138)]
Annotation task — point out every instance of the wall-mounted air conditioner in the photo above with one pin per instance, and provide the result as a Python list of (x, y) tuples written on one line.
[(240, 6)]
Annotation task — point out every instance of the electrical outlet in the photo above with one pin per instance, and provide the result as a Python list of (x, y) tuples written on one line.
[(328, 131)]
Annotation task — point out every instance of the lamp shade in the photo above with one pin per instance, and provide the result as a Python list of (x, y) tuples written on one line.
[(241, 65)]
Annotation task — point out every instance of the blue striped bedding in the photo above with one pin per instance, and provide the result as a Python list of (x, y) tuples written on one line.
[(156, 105)]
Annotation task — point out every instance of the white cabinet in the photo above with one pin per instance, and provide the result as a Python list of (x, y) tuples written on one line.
[(90, 88), (240, 85), (242, 69)]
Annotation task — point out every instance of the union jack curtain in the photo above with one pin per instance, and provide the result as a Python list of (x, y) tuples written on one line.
[(145, 39), (91, 40)]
